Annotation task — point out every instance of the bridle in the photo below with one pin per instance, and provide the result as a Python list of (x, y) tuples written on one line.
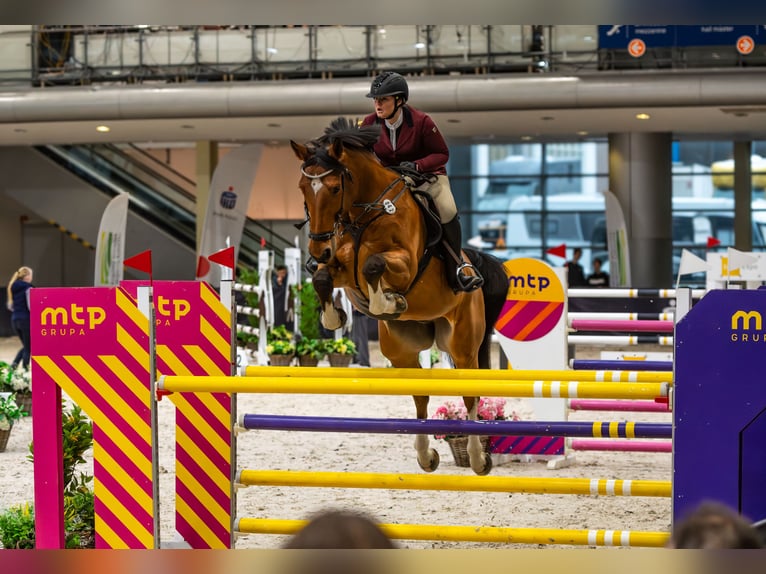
[(355, 227)]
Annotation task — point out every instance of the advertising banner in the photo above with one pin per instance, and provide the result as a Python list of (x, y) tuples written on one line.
[(110, 246), (227, 208)]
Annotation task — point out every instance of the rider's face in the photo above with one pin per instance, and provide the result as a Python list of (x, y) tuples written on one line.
[(384, 106)]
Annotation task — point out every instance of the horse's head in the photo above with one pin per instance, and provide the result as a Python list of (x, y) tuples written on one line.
[(328, 181), (322, 186)]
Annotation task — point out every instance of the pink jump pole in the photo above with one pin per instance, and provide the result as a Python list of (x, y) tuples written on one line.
[(623, 445), (616, 405), (639, 326)]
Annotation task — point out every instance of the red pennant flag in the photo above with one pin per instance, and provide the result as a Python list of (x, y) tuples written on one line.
[(712, 242), (203, 266), (142, 262), (560, 251), (224, 257)]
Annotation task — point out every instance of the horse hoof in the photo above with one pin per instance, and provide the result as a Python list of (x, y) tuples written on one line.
[(485, 470), (433, 461)]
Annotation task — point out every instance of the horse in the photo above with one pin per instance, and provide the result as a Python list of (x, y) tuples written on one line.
[(369, 235)]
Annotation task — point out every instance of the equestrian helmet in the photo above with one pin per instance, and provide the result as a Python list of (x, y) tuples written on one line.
[(389, 84)]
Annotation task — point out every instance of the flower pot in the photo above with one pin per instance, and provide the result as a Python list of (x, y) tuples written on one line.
[(459, 447), (339, 359), (4, 434), (280, 360), (307, 361), (24, 400)]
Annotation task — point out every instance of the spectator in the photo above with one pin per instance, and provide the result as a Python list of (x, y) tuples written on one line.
[(340, 530), (18, 305), (713, 525), (575, 273), (598, 278), (361, 338), (280, 293)]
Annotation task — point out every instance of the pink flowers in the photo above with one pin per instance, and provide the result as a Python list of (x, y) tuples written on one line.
[(489, 409)]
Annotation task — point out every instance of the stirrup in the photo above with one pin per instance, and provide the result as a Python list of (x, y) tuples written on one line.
[(468, 282)]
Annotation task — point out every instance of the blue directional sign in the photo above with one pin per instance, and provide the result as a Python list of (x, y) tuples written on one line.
[(617, 37)]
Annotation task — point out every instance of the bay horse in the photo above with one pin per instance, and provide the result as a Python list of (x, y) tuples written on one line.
[(369, 236)]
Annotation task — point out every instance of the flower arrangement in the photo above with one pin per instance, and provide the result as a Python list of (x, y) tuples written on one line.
[(280, 347), (342, 346), (18, 380), (279, 341), (10, 412), (489, 409), (314, 348)]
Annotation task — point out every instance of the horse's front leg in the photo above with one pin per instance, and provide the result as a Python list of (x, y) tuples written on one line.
[(385, 298), (481, 462), (428, 458), (332, 317)]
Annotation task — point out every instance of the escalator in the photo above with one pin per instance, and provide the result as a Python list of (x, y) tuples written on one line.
[(161, 196)]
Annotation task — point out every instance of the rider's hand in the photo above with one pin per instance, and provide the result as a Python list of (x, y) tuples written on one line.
[(409, 165)]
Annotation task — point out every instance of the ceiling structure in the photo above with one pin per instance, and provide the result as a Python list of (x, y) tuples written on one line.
[(714, 104)]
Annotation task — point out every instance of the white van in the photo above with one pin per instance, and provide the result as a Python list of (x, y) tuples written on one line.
[(579, 220)]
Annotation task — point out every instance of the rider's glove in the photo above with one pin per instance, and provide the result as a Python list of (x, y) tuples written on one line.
[(409, 165)]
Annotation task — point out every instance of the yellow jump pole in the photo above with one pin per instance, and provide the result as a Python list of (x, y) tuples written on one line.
[(528, 485), (479, 533), (464, 374), (449, 387)]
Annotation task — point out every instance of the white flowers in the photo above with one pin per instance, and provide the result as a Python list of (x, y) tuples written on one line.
[(18, 380)]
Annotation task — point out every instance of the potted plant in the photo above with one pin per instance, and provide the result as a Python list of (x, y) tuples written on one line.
[(18, 381), (340, 351), (489, 409), (10, 412), (279, 346), (309, 351)]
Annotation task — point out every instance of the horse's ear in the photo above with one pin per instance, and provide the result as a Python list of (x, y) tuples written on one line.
[(300, 150), (336, 150)]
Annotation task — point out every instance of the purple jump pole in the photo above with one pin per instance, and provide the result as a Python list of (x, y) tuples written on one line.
[(453, 427), (629, 326), (615, 405), (624, 445), (620, 365)]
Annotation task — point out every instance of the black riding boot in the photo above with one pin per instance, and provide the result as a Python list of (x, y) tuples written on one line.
[(457, 277)]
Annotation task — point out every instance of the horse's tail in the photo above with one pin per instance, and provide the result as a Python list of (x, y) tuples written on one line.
[(495, 290)]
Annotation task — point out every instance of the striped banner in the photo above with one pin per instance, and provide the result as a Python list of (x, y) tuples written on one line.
[(93, 343)]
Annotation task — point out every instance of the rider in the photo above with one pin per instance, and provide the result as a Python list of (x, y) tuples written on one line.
[(410, 139)]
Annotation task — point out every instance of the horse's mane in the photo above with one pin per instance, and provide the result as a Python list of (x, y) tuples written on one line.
[(350, 134)]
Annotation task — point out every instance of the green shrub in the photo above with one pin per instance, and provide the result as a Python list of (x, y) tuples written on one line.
[(17, 527)]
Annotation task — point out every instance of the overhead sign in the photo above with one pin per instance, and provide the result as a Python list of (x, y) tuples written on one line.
[(622, 37)]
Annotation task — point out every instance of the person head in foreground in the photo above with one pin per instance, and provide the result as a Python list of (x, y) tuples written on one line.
[(340, 530), (713, 525)]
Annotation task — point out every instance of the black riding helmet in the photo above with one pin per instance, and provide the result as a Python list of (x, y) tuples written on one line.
[(389, 84)]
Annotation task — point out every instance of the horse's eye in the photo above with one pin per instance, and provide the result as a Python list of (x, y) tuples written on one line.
[(334, 189)]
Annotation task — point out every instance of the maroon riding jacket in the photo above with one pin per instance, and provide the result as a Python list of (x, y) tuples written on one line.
[(417, 139)]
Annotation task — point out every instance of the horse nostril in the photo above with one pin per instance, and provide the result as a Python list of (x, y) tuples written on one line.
[(311, 265), (325, 255)]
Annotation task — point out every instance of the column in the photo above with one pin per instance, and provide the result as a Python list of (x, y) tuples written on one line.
[(743, 197), (207, 159), (640, 176)]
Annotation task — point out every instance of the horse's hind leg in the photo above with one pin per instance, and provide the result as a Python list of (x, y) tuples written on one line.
[(401, 343), (481, 462)]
